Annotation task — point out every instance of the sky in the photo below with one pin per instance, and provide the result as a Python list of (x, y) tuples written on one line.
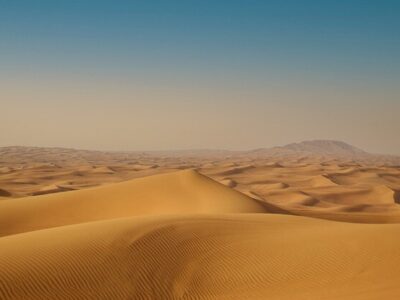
[(190, 74)]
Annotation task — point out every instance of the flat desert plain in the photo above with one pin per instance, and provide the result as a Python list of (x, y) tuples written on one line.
[(315, 220)]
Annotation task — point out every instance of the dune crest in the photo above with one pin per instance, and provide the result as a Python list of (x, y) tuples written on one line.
[(124, 232), (180, 192)]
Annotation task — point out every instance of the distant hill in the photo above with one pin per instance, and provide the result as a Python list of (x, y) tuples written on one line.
[(325, 147), (315, 147)]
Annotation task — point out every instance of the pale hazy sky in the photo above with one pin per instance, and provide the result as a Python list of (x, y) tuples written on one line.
[(156, 75)]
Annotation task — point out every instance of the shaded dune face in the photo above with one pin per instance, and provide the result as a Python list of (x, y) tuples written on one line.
[(397, 197), (4, 193), (255, 256)]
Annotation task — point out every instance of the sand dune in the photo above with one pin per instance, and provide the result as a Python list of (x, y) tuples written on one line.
[(4, 193), (331, 185), (378, 194), (180, 192), (252, 256), (103, 170), (54, 188), (134, 227), (323, 189), (264, 187), (229, 182), (235, 170), (321, 181), (5, 170)]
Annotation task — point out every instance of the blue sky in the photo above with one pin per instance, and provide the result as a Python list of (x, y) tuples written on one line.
[(321, 36), (201, 45)]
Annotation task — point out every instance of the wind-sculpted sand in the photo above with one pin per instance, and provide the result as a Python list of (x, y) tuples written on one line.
[(179, 192), (219, 256), (93, 225), (332, 191)]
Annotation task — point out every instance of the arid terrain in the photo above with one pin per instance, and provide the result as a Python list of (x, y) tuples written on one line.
[(312, 220)]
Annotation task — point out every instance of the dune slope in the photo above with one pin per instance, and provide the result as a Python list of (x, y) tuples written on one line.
[(236, 256), (180, 192)]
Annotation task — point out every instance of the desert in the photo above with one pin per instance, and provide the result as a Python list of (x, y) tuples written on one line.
[(171, 150), (276, 224)]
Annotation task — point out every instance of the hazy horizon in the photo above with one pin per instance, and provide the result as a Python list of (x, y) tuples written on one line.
[(191, 149), (166, 75)]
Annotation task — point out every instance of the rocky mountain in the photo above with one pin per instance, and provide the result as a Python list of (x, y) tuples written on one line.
[(324, 147)]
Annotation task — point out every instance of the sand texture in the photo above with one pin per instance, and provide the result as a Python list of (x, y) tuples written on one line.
[(211, 225)]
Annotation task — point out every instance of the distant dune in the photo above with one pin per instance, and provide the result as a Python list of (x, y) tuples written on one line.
[(78, 224), (325, 149), (4, 193)]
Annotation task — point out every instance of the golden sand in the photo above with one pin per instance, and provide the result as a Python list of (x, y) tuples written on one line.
[(105, 226)]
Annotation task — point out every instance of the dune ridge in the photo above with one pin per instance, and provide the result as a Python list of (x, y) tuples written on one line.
[(204, 257), (180, 192), (141, 227)]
